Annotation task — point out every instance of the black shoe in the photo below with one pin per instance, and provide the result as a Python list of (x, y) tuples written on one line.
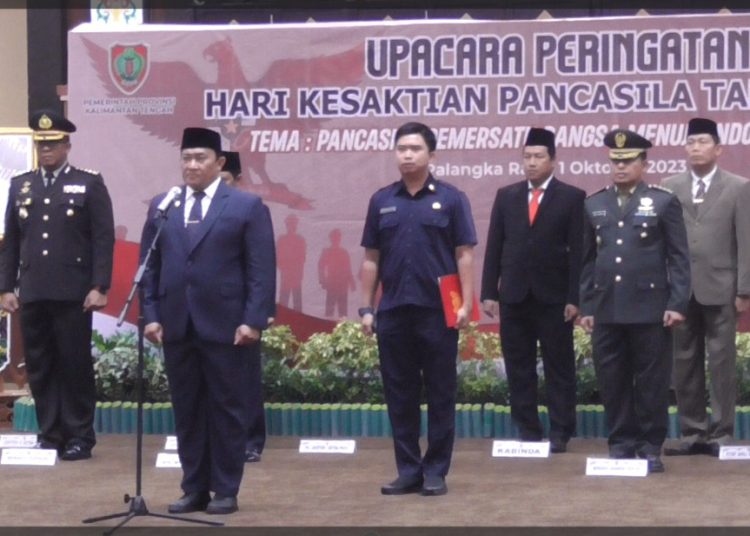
[(403, 485), (713, 449), (43, 444), (74, 452), (687, 449), (655, 464), (434, 485), (252, 456), (190, 502), (222, 505), (558, 446)]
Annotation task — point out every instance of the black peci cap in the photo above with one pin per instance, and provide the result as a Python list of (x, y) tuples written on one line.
[(541, 136), (700, 125), (232, 164), (201, 138)]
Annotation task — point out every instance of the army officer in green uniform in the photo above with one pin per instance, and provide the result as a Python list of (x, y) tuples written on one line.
[(635, 285)]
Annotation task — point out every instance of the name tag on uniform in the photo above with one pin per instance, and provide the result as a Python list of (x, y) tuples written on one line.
[(74, 189), (387, 210), (599, 213)]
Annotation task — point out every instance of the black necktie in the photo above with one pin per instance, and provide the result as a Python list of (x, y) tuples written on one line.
[(49, 179), (196, 213)]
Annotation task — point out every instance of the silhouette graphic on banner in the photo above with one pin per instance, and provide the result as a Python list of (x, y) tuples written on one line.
[(290, 259), (335, 275)]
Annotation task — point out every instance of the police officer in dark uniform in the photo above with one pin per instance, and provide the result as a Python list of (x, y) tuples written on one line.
[(635, 286), (57, 256), (417, 229)]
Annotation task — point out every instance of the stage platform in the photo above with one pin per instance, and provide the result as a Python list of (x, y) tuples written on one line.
[(288, 489)]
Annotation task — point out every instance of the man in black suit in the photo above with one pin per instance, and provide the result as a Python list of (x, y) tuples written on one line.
[(208, 293), (231, 174), (57, 251), (635, 286), (531, 271)]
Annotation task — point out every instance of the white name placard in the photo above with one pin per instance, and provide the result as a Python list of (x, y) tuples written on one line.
[(170, 443), (22, 456), (168, 460), (520, 449), (12, 441), (615, 467), (734, 453), (327, 446)]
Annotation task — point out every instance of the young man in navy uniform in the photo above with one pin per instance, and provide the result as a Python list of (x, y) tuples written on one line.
[(531, 280), (208, 294), (635, 286), (57, 255), (417, 230)]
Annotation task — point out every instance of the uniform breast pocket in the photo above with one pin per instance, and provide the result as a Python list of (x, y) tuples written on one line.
[(388, 221), (602, 229), (435, 226), (387, 227), (72, 207), (646, 229), (436, 220)]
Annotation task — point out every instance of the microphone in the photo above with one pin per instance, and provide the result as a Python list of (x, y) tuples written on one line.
[(173, 193)]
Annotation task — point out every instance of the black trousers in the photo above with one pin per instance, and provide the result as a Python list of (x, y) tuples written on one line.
[(57, 341), (633, 364), (256, 436), (208, 382), (416, 349), (521, 326)]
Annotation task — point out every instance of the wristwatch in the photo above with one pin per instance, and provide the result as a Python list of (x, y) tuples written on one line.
[(362, 311)]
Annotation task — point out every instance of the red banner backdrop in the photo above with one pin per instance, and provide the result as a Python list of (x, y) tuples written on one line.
[(312, 109)]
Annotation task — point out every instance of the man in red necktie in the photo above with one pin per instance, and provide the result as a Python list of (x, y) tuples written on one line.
[(530, 279)]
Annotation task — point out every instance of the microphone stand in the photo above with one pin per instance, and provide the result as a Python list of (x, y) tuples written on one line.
[(137, 502)]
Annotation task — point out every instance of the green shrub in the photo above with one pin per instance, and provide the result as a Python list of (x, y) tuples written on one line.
[(476, 344), (278, 343), (116, 367), (342, 366), (482, 380), (743, 369)]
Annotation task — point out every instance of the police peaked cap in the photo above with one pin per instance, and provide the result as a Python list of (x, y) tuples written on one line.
[(625, 144), (201, 138), (49, 125)]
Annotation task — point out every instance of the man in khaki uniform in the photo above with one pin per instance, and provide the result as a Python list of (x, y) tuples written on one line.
[(716, 207)]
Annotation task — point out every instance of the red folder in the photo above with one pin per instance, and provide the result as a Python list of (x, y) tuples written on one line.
[(450, 292)]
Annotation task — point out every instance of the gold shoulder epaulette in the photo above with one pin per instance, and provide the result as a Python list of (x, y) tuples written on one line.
[(27, 172), (660, 187), (599, 191), (91, 171)]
